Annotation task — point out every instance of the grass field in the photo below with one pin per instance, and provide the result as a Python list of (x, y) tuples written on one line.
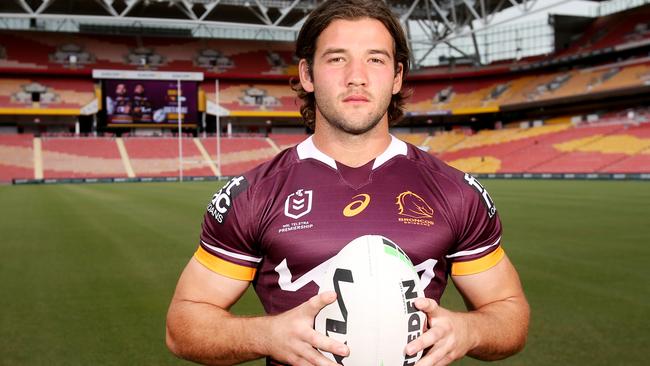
[(87, 271)]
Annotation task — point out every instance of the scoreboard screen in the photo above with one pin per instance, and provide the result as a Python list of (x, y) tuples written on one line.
[(150, 102)]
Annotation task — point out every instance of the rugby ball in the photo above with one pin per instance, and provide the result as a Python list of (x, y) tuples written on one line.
[(374, 314)]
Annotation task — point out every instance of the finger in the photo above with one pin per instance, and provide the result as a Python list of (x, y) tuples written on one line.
[(317, 302), (440, 354), (427, 305), (328, 344), (426, 340), (444, 361), (314, 357)]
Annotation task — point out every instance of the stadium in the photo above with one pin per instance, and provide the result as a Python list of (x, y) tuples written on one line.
[(120, 118)]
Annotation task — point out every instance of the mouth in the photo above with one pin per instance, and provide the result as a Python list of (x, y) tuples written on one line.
[(355, 98)]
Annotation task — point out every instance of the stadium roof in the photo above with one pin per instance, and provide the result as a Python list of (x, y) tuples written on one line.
[(266, 16), (239, 19)]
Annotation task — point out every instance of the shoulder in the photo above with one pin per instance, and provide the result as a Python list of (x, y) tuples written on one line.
[(435, 168), (278, 165), (456, 184), (240, 190)]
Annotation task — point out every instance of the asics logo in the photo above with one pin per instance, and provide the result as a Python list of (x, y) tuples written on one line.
[(357, 206)]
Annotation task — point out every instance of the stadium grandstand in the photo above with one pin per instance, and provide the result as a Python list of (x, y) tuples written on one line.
[(166, 89)]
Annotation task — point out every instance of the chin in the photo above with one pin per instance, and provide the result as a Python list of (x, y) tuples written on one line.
[(358, 128)]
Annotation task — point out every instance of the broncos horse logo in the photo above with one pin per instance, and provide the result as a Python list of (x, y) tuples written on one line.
[(412, 205)]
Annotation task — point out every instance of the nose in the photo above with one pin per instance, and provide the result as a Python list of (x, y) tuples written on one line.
[(356, 74)]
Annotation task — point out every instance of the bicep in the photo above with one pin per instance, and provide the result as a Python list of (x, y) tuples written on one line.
[(500, 282), (199, 284)]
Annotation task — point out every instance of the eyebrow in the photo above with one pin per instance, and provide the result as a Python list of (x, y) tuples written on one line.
[(343, 50), (333, 50), (381, 52)]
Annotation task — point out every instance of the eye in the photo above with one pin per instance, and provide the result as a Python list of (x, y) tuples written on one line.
[(336, 59), (376, 60)]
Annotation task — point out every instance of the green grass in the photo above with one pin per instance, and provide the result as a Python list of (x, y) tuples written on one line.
[(87, 271)]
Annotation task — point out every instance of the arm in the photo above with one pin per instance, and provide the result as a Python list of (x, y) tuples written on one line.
[(200, 327), (495, 326)]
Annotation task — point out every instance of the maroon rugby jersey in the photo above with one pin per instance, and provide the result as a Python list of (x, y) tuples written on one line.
[(279, 224)]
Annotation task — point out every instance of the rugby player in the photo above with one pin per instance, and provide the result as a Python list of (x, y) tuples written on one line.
[(142, 111), (277, 225)]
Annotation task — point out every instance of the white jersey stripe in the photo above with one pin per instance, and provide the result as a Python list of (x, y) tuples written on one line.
[(307, 149), (396, 147), (473, 251), (231, 254)]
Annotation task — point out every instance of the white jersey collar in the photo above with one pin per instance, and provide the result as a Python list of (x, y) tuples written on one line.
[(307, 150)]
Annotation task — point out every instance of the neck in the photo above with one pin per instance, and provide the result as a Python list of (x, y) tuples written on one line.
[(352, 150)]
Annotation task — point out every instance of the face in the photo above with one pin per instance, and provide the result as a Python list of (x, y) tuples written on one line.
[(354, 75), (120, 89)]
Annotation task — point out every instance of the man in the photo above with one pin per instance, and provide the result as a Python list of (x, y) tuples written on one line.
[(142, 111), (120, 108), (279, 223)]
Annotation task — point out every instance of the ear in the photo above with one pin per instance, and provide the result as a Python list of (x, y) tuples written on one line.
[(397, 80), (305, 77)]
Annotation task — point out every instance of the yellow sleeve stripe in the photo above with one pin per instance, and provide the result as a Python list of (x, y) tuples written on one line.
[(477, 265), (220, 266)]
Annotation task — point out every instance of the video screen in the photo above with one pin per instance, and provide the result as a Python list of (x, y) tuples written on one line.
[(149, 102)]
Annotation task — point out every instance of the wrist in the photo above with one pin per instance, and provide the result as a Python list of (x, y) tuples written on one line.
[(471, 328), (263, 329)]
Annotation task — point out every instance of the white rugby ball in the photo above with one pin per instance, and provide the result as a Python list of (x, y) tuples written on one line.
[(374, 314)]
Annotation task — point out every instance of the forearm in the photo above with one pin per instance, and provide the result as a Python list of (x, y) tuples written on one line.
[(210, 335), (498, 329)]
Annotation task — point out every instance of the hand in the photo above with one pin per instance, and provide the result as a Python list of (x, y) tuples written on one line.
[(448, 335), (293, 339)]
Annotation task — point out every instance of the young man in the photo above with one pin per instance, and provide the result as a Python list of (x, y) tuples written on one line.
[(279, 224)]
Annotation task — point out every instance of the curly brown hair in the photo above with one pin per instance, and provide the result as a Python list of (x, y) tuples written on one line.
[(316, 23)]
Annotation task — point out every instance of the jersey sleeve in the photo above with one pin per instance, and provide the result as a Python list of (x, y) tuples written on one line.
[(479, 235), (227, 241)]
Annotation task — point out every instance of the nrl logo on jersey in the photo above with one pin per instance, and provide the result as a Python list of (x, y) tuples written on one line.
[(222, 200), (298, 204)]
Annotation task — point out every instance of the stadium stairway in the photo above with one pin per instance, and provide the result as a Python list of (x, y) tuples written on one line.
[(416, 139), (629, 76), (57, 157), (284, 141), (441, 142), (239, 154), (159, 157), (631, 164), (65, 96), (81, 157), (633, 146), (568, 152), (556, 148), (486, 151), (16, 157), (552, 148)]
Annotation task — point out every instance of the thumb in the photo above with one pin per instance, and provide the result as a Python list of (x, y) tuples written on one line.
[(428, 306), (317, 302)]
